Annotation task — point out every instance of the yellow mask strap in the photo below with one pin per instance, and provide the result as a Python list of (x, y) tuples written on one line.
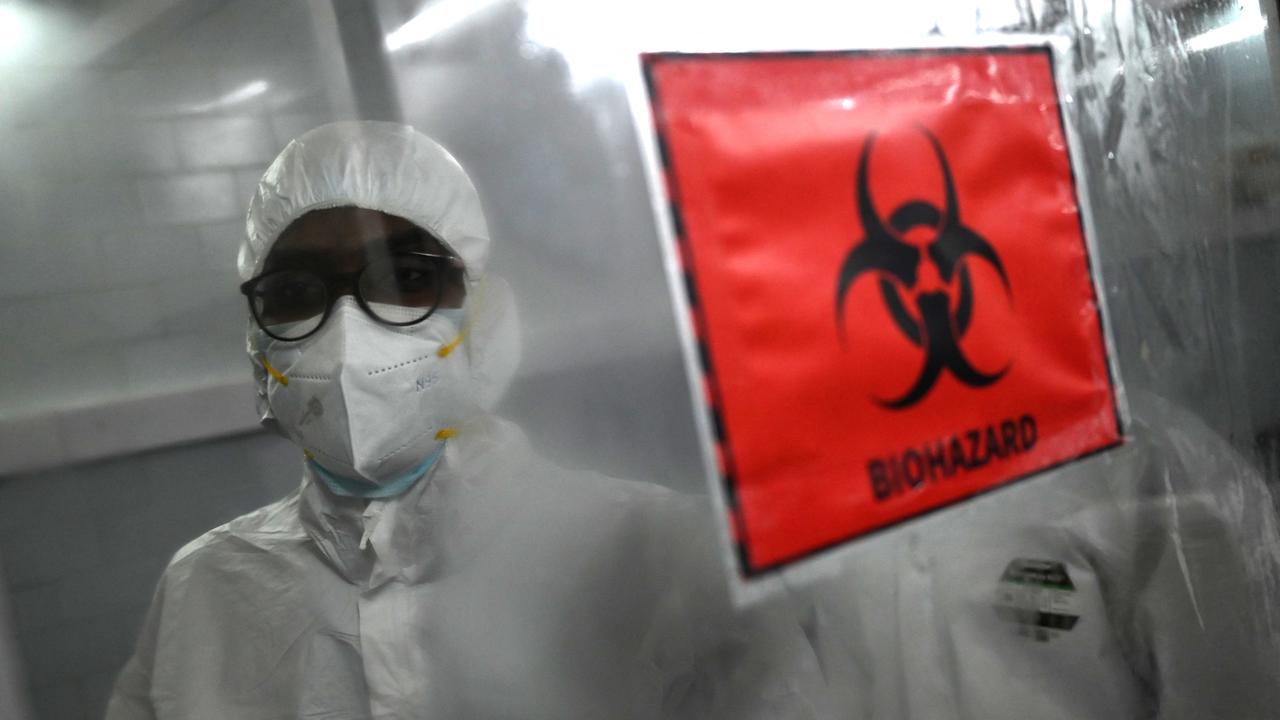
[(279, 376), (450, 346)]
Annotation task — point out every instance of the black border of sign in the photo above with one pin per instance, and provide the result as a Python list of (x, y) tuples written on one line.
[(727, 467)]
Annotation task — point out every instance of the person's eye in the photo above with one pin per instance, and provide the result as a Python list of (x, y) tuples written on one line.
[(414, 277), (294, 290), (291, 291)]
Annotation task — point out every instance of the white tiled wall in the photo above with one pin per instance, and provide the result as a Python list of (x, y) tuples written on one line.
[(123, 196), (122, 199), (83, 546)]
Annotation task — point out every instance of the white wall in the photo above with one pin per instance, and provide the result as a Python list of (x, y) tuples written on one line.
[(123, 186), (124, 176), (84, 545)]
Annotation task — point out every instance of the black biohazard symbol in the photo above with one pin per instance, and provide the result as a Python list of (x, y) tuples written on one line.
[(936, 326)]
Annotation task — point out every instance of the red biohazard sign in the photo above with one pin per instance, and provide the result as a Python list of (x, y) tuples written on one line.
[(890, 287)]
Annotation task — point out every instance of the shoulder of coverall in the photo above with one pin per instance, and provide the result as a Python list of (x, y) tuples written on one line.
[(269, 525)]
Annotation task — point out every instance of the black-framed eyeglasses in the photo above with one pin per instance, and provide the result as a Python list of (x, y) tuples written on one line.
[(402, 289)]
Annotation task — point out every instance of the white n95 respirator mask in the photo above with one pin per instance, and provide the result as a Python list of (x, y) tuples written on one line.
[(371, 405)]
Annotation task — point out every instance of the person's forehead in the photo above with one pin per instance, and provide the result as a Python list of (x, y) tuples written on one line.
[(345, 231)]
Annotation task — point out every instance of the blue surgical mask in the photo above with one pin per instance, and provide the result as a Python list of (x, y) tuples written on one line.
[(353, 487)]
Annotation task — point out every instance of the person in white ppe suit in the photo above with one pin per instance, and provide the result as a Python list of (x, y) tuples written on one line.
[(431, 565), (1139, 583)]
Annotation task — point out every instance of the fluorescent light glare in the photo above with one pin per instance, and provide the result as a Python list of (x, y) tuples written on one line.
[(435, 19), (1235, 31), (15, 30), (244, 93), (248, 91)]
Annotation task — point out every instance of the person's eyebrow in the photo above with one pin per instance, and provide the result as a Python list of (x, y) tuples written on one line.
[(410, 239), (285, 257), (413, 239)]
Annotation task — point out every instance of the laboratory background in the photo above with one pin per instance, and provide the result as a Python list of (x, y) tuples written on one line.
[(133, 133)]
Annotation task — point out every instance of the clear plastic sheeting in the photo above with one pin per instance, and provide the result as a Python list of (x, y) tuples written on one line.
[(1172, 100), (561, 558), (1083, 593), (1140, 583)]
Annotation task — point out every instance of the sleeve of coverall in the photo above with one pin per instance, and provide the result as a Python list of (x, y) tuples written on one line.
[(131, 697), (715, 661), (1203, 576)]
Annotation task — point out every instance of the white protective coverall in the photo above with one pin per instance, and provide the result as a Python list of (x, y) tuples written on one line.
[(498, 586), (1140, 583)]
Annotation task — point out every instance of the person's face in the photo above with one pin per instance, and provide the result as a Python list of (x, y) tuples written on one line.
[(344, 240)]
